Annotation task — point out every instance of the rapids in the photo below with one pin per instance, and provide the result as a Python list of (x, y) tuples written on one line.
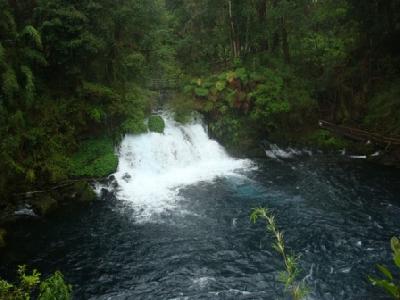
[(174, 224)]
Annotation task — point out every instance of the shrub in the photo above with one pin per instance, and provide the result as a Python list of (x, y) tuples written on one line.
[(29, 285), (156, 124)]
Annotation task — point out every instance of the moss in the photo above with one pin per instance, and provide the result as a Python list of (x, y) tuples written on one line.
[(95, 158), (156, 124), (44, 205), (84, 192), (3, 234)]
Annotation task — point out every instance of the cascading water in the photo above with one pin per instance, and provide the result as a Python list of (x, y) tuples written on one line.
[(153, 167), (199, 243)]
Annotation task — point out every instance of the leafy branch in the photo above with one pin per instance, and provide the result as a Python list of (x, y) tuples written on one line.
[(298, 290), (389, 284)]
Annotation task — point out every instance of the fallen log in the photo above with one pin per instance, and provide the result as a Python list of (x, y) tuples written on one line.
[(360, 135)]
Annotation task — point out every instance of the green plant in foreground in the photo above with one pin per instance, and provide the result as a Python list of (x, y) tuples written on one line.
[(298, 290), (29, 285), (389, 284)]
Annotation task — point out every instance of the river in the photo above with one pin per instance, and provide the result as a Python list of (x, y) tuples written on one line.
[(175, 224)]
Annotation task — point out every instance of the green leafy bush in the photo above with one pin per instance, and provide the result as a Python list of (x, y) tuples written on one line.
[(95, 158), (390, 284), (325, 140), (29, 285), (156, 124)]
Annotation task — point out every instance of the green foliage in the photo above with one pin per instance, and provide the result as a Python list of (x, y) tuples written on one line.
[(182, 106), (29, 285), (201, 92), (390, 285), (55, 287), (383, 109), (156, 124), (95, 158), (10, 84), (297, 290), (325, 140), (31, 33)]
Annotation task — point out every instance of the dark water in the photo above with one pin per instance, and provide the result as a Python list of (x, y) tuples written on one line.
[(338, 215)]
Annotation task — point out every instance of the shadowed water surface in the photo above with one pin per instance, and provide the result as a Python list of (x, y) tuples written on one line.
[(338, 214)]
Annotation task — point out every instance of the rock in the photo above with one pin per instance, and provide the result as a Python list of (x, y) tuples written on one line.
[(3, 234), (84, 192), (127, 177), (44, 205)]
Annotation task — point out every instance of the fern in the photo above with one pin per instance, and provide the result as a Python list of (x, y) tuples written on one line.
[(2, 55), (33, 34), (9, 83), (34, 56), (7, 23), (29, 84)]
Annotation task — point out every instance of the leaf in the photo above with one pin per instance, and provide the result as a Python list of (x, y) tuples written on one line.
[(389, 287), (395, 244), (396, 258), (29, 84), (201, 92), (385, 271), (220, 86), (10, 84), (33, 34)]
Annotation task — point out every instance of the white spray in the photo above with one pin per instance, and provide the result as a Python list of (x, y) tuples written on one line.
[(153, 167)]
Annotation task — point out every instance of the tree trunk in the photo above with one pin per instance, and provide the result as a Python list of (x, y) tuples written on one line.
[(285, 43), (234, 38), (262, 18)]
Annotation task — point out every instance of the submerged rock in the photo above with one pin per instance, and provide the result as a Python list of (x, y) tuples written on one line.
[(44, 205), (83, 192)]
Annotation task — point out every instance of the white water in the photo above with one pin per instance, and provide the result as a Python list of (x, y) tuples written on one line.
[(153, 167), (276, 153)]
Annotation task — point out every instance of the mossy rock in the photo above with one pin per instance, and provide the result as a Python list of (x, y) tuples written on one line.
[(156, 124), (3, 234), (84, 192), (44, 205)]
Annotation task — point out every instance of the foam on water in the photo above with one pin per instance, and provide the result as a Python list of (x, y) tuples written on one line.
[(153, 167)]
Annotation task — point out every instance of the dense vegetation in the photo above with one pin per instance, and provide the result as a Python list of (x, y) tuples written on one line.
[(272, 68), (76, 75), (72, 71), (264, 69), (31, 286)]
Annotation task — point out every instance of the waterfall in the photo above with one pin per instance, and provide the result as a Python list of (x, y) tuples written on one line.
[(153, 167)]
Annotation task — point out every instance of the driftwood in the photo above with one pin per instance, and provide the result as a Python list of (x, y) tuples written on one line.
[(360, 135), (31, 194)]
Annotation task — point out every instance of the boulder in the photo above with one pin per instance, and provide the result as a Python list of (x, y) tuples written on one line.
[(84, 192), (44, 205)]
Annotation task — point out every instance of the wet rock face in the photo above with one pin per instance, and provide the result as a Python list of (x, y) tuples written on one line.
[(127, 177), (83, 192)]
